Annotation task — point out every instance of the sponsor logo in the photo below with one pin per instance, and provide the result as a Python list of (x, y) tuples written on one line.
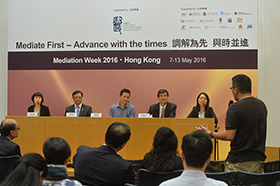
[(220, 20), (206, 20), (195, 27), (229, 20), (117, 24), (240, 27), (182, 20), (235, 13), (222, 13), (204, 14), (249, 26), (183, 14), (239, 20), (194, 14), (245, 13), (190, 20), (183, 27)]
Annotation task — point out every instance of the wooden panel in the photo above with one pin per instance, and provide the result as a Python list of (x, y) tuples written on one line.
[(31, 135), (272, 153), (71, 129), (142, 135)]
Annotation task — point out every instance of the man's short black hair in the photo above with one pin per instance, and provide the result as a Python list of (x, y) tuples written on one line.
[(56, 150), (243, 83), (117, 134), (124, 90), (6, 129), (197, 148), (162, 91), (76, 92), (37, 94)]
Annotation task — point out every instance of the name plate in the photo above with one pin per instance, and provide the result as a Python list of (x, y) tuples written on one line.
[(96, 115), (71, 114), (33, 114), (144, 115)]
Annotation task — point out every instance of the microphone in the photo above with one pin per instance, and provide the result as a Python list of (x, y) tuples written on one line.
[(230, 103)]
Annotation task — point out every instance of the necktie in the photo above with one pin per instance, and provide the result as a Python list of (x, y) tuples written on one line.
[(78, 111), (162, 113)]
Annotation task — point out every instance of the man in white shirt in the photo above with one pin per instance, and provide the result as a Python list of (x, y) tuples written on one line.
[(196, 153)]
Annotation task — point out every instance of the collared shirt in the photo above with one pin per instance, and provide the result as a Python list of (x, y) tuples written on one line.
[(117, 111), (80, 106), (193, 178), (160, 109)]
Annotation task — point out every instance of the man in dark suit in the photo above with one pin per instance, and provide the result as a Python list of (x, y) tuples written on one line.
[(102, 165), (163, 109), (78, 107), (9, 130)]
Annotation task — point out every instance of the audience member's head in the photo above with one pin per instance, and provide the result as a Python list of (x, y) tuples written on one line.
[(165, 141), (197, 148), (9, 128), (56, 151), (37, 97), (30, 169), (117, 135)]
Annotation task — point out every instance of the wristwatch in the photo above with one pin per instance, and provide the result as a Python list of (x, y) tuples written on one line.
[(211, 136)]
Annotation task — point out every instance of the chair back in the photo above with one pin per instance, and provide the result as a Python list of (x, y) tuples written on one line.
[(272, 166), (136, 164), (245, 178), (6, 165), (154, 179), (215, 166)]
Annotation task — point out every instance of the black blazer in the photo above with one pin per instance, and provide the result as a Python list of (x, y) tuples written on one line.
[(209, 113), (8, 148), (85, 110), (170, 110), (43, 112), (101, 166)]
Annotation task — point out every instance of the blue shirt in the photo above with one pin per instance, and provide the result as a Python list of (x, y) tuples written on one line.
[(117, 111)]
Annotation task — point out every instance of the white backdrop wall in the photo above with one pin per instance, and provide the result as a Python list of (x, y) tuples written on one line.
[(269, 62)]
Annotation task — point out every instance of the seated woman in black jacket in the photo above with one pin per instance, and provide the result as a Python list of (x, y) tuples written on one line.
[(37, 99), (202, 109), (164, 156)]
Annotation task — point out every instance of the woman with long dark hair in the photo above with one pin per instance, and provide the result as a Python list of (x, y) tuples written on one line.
[(29, 170), (164, 156), (202, 108)]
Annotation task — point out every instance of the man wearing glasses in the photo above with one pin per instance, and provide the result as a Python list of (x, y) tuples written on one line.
[(78, 107), (9, 130), (246, 123)]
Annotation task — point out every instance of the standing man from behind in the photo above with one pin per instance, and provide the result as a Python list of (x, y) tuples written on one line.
[(102, 165), (9, 130), (163, 109), (78, 107), (196, 153), (123, 108), (245, 127)]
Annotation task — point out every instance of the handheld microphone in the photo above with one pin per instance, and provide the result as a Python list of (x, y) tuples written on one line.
[(230, 103)]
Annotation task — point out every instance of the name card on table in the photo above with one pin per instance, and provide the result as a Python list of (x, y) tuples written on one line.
[(96, 115), (144, 115), (71, 114), (33, 114)]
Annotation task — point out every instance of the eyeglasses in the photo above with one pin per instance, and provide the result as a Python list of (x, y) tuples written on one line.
[(231, 88), (17, 128)]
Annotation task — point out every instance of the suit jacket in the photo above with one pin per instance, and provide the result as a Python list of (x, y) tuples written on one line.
[(101, 166), (8, 148), (84, 112), (43, 112), (170, 110), (209, 113)]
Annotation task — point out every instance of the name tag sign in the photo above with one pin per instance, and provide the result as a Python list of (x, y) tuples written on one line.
[(71, 114), (143, 115), (96, 115), (33, 114)]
